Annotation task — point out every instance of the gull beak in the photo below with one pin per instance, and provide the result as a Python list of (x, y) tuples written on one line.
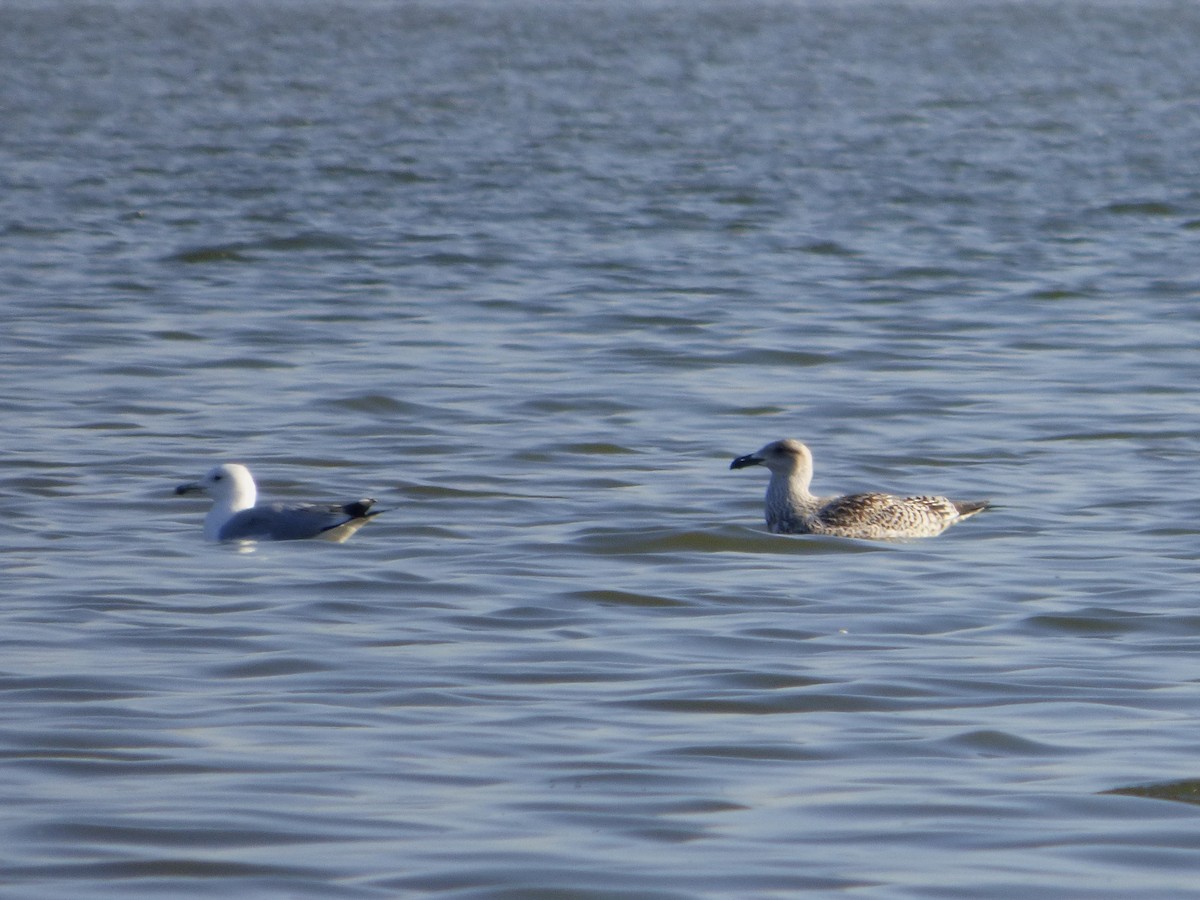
[(192, 487), (748, 460)]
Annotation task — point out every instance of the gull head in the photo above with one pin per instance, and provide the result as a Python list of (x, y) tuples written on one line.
[(230, 486), (785, 457)]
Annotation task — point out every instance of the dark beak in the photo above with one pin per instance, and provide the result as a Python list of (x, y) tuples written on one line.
[(192, 487), (748, 460)]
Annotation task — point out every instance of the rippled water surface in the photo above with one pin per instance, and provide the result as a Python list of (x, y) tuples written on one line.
[(531, 274)]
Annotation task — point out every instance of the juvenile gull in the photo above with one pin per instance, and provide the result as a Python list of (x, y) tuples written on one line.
[(791, 509), (235, 517)]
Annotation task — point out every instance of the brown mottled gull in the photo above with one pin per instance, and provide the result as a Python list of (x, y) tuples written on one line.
[(236, 517), (791, 509)]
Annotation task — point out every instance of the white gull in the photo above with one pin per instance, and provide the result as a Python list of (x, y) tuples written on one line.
[(236, 517), (792, 509)]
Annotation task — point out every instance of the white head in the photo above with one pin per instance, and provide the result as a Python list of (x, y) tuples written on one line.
[(230, 486)]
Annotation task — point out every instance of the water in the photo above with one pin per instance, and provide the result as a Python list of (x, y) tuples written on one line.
[(531, 274)]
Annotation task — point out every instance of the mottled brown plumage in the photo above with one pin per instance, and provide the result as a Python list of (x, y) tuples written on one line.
[(792, 509)]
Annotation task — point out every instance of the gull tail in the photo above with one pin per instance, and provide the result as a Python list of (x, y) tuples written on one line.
[(360, 514), (968, 508)]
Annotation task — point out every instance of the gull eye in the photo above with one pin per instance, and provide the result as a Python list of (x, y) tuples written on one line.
[(218, 477)]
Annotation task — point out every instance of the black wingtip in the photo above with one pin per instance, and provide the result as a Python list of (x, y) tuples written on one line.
[(360, 509)]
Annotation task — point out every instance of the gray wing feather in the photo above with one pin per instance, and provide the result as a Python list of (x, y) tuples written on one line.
[(277, 522)]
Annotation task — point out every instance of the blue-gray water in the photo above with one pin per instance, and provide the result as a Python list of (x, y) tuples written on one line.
[(531, 274)]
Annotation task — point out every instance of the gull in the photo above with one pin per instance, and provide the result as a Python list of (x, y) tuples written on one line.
[(235, 516), (791, 509)]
